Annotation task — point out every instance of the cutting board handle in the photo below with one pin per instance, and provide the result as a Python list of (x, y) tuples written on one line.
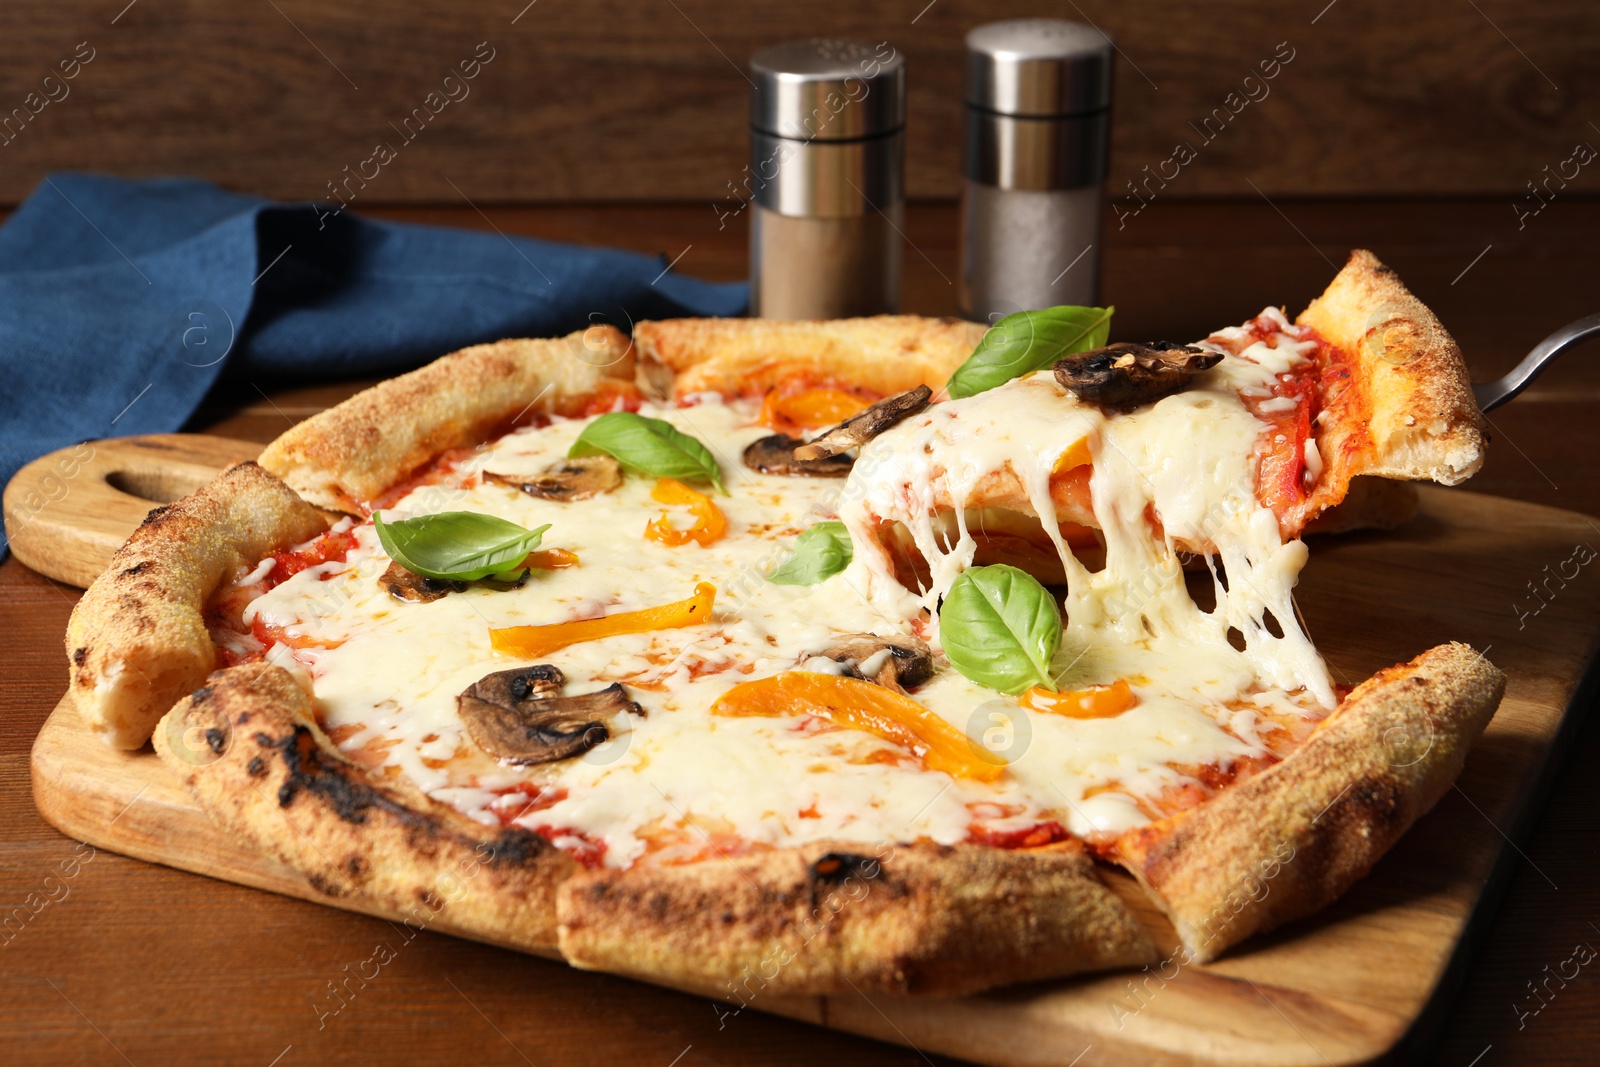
[(68, 511)]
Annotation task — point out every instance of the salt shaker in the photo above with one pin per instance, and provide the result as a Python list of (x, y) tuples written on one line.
[(1038, 119), (827, 164)]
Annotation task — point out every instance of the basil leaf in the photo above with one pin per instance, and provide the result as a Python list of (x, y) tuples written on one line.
[(822, 551), (648, 446), (456, 546), (1028, 341), (1000, 628)]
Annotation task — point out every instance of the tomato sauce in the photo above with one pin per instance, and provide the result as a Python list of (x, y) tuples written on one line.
[(588, 851), (328, 548), (612, 394), (226, 611), (1206, 781), (1035, 836), (433, 472), (1318, 391)]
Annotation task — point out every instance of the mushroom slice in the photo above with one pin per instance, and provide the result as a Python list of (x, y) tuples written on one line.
[(577, 478), (861, 428), (520, 716), (775, 455), (893, 662), (404, 584), (1126, 375)]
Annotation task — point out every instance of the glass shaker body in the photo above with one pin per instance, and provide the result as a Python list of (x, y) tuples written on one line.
[(1038, 122), (1028, 248), (822, 246), (827, 158)]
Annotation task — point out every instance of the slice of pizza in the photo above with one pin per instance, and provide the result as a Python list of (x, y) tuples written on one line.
[(796, 657)]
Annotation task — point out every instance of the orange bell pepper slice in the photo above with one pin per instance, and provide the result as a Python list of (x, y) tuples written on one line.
[(709, 522), (809, 409), (1076, 455), (1099, 702), (550, 559), (859, 705), (533, 642)]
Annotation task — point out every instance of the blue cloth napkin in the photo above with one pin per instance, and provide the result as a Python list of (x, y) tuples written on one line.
[(122, 301)]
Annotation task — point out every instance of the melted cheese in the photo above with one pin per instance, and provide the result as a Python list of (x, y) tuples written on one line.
[(1187, 459), (385, 674)]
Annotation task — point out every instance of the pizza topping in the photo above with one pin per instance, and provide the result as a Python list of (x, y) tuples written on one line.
[(458, 546), (576, 478), (330, 547), (1284, 449), (387, 677), (709, 523), (648, 446), (775, 455), (1098, 702), (520, 716), (1126, 375), (1027, 341), (859, 705), (1078, 454), (859, 429), (1001, 628), (531, 642), (1175, 475), (408, 585), (404, 584), (900, 662), (1035, 836), (1313, 459), (787, 410), (550, 559), (821, 551)]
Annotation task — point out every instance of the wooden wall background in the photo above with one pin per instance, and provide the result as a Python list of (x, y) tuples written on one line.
[(602, 100)]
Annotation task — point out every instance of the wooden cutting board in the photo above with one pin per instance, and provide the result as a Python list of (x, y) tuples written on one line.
[(1342, 987)]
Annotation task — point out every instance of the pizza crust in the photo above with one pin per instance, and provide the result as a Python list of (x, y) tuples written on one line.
[(908, 919), (886, 354), (1423, 422), (905, 918), (137, 640), (911, 918), (344, 457), (1292, 839), (249, 749), (1406, 413)]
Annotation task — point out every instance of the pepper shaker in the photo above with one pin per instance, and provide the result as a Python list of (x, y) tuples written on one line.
[(1038, 124), (827, 160)]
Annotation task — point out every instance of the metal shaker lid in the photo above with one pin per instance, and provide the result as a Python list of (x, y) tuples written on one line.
[(824, 89), (1038, 67)]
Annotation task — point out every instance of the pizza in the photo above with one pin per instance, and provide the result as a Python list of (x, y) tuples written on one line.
[(808, 656)]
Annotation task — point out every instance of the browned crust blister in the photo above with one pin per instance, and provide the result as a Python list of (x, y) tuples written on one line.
[(249, 749), (820, 918), (908, 918), (745, 357), (137, 640), (1292, 839), (1423, 422), (814, 919), (344, 457)]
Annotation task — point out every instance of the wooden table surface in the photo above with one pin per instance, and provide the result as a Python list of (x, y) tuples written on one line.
[(109, 960)]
